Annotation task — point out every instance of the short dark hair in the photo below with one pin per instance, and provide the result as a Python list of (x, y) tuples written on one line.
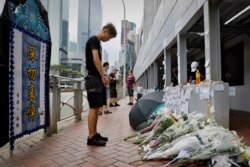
[(105, 64), (111, 29)]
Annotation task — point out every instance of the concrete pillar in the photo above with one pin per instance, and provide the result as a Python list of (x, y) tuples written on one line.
[(152, 76), (145, 80), (148, 78), (78, 102), (212, 41), (147, 75), (155, 74), (167, 66), (55, 112), (246, 62), (182, 58)]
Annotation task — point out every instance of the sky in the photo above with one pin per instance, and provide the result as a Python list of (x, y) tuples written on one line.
[(113, 12)]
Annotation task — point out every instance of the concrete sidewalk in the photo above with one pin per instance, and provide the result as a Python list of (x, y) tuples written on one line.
[(68, 147)]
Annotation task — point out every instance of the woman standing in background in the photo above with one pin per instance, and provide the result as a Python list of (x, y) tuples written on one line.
[(130, 86)]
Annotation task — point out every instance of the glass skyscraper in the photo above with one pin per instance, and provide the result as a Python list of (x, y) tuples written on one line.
[(89, 21), (65, 24), (130, 48)]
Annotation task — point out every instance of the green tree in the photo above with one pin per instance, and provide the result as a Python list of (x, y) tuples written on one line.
[(65, 71)]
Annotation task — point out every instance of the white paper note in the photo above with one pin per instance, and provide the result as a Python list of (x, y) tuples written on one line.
[(218, 87), (231, 91), (212, 93), (207, 63), (188, 92), (184, 107), (212, 109), (197, 89)]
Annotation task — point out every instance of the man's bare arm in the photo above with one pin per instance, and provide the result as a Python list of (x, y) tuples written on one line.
[(98, 65), (97, 62)]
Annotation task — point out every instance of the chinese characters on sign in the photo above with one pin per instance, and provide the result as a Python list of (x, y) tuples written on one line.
[(32, 74)]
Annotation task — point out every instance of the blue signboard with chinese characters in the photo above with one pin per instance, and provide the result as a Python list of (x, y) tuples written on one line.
[(29, 60)]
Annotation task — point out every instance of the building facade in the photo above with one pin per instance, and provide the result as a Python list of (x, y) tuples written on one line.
[(214, 33)]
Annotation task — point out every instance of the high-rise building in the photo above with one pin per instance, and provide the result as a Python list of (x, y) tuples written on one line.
[(64, 31), (130, 30), (60, 14), (121, 59), (54, 8), (72, 46), (130, 26), (89, 21), (45, 4), (64, 39), (65, 24)]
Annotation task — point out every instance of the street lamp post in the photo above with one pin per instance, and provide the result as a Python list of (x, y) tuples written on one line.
[(124, 43)]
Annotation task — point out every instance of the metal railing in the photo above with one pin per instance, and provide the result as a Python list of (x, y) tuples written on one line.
[(56, 105), (68, 103)]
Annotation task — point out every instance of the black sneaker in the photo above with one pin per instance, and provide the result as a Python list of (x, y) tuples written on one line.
[(130, 103), (95, 141), (116, 104), (107, 112), (98, 135), (111, 105)]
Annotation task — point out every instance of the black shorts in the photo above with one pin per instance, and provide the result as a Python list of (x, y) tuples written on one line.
[(130, 91), (113, 92), (95, 100), (95, 92)]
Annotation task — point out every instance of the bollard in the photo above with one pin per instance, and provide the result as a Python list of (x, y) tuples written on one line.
[(55, 112), (78, 102)]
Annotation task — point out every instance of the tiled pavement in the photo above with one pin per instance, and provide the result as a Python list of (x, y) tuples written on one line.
[(240, 122), (68, 147)]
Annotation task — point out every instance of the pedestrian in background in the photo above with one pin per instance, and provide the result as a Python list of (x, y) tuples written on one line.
[(196, 75), (174, 77), (104, 108), (130, 86), (95, 81), (139, 91), (113, 90)]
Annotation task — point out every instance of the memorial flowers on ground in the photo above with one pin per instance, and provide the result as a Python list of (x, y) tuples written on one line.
[(188, 138)]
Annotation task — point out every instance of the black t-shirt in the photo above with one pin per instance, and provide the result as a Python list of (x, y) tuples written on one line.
[(92, 43)]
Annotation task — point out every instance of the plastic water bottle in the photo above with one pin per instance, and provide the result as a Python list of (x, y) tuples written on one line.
[(198, 77)]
